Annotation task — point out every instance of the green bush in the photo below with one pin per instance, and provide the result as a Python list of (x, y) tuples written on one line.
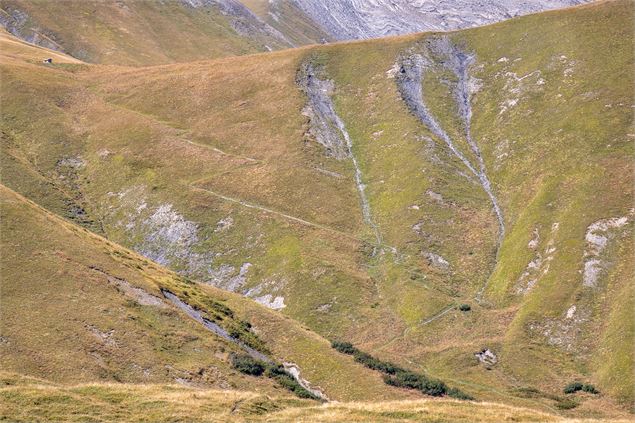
[(458, 394), (465, 307), (287, 381), (396, 376), (572, 388), (579, 386), (248, 365), (411, 380), (590, 389), (375, 364), (344, 347)]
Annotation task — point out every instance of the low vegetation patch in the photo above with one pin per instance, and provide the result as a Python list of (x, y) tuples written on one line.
[(574, 387), (397, 376), (250, 366), (562, 403)]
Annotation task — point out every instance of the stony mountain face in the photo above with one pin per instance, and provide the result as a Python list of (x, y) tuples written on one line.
[(139, 33), (360, 19)]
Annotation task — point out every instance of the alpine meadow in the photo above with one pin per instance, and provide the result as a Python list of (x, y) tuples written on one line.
[(317, 211)]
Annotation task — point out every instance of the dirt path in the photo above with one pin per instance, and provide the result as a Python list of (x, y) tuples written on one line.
[(277, 213)]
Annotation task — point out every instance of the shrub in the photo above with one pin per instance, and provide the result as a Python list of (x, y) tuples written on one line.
[(573, 387), (396, 376), (375, 364), (579, 386), (458, 394), (248, 365), (411, 380), (465, 307), (590, 389), (287, 381), (344, 347)]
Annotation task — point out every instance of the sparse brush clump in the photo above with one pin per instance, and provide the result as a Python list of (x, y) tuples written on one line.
[(465, 307), (397, 376), (566, 404), (579, 386), (250, 366), (344, 347)]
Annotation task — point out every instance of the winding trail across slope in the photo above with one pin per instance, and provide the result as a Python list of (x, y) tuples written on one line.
[(271, 211), (284, 215)]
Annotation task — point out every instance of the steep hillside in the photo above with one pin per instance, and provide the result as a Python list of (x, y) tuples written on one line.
[(141, 32), (459, 203), (129, 32), (82, 309), (357, 19)]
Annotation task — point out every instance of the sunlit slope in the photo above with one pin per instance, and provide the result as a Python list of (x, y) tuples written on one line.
[(222, 151), (82, 309), (139, 32), (27, 398)]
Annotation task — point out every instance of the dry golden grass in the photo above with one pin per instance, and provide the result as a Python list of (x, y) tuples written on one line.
[(31, 399)]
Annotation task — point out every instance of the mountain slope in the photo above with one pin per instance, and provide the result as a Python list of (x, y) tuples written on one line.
[(83, 309), (272, 175), (127, 32), (141, 32), (349, 20)]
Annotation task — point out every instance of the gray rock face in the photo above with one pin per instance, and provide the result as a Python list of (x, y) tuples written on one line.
[(17, 22), (243, 21), (329, 130), (412, 69), (321, 113), (360, 19)]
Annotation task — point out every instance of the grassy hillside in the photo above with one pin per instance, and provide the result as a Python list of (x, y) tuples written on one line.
[(138, 32), (84, 309), (23, 399), (211, 168)]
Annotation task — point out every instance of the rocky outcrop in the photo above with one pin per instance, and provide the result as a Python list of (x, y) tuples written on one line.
[(213, 327), (597, 238), (326, 127), (18, 23), (487, 357), (360, 19), (244, 22), (412, 69)]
